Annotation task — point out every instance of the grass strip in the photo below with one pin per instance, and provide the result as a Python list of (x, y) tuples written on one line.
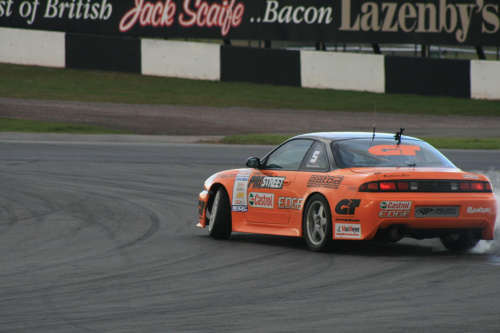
[(33, 126), (255, 139), (96, 86), (464, 143), (440, 143)]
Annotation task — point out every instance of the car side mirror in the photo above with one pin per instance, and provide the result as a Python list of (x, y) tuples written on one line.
[(253, 162)]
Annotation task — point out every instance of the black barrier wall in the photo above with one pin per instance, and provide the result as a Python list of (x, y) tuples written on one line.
[(103, 53), (403, 75), (424, 76), (266, 66), (311, 69)]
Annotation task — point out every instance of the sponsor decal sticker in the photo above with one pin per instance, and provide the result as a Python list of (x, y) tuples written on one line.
[(344, 230), (437, 211), (258, 182), (389, 150), (396, 205), (261, 200), (332, 182), (290, 203), (201, 207), (469, 176), (347, 220), (397, 176), (226, 175), (347, 206), (394, 213), (240, 208), (398, 209), (315, 156), (315, 161), (474, 210), (240, 191)]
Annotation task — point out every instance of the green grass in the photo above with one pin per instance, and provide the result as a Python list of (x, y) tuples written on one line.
[(464, 143), (93, 86), (18, 125), (441, 143), (255, 139)]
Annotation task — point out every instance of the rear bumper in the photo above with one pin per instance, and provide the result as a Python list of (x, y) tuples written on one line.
[(427, 215)]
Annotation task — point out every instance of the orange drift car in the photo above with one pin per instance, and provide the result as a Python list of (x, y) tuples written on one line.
[(351, 186)]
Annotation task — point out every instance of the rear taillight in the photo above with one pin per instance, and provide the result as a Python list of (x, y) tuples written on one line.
[(403, 186), (477, 186), (387, 186), (426, 186)]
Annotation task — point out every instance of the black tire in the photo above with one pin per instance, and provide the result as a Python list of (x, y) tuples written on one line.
[(220, 226), (317, 224), (459, 242)]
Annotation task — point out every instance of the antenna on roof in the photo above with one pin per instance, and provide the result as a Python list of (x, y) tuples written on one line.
[(399, 134), (373, 137)]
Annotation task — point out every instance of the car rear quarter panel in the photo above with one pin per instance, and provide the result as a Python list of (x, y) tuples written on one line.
[(340, 188)]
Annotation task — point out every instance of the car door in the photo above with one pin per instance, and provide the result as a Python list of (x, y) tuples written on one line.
[(271, 194)]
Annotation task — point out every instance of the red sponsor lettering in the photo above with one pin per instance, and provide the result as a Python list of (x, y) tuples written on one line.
[(262, 200), (225, 15), (202, 14), (149, 14)]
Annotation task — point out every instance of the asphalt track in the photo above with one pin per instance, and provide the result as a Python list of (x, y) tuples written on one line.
[(101, 237)]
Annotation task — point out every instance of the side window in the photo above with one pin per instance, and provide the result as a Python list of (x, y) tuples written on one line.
[(316, 158), (289, 156)]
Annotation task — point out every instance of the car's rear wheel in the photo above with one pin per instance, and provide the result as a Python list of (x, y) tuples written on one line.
[(317, 224), (459, 242), (220, 216)]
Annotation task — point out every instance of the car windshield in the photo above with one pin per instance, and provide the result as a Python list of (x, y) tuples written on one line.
[(387, 153)]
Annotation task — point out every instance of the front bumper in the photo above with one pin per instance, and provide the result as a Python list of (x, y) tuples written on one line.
[(202, 208)]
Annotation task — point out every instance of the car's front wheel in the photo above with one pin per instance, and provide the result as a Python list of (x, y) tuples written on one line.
[(459, 242), (220, 216), (317, 224)]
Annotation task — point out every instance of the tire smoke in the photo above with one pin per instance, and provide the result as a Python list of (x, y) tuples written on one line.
[(493, 246)]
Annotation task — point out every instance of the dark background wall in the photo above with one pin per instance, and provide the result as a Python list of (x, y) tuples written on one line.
[(266, 66), (408, 75), (425, 76), (103, 53)]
